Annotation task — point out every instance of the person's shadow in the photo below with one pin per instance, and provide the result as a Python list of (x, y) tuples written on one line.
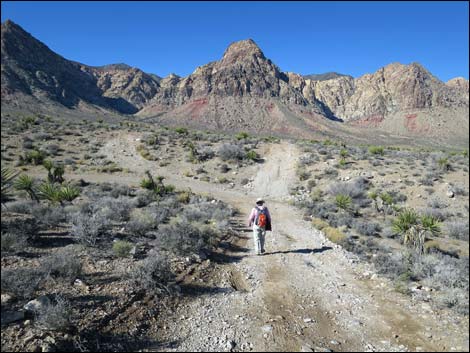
[(301, 251)]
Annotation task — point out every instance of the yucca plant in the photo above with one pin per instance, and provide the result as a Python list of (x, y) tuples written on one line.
[(343, 201), (8, 177), (386, 198), (49, 191), (48, 164), (58, 174), (68, 193), (36, 157), (430, 225), (26, 183), (414, 228)]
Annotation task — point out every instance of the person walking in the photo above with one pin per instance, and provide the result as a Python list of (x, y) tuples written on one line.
[(260, 220)]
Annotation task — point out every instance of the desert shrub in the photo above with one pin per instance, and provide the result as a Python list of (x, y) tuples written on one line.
[(49, 215), (376, 150), (122, 248), (444, 163), (183, 238), (181, 130), (458, 190), (64, 264), (427, 180), (436, 213), (115, 209), (88, 228), (207, 212), (436, 203), (229, 152), (27, 143), (141, 222), (144, 198), (334, 235), (184, 197), (52, 149), (242, 135), (153, 274), (21, 282), (319, 224), (56, 315), (454, 298), (354, 189), (458, 230), (120, 190), (13, 242), (251, 155), (330, 172), (307, 159), (367, 228), (205, 154), (341, 219), (392, 265), (302, 173)]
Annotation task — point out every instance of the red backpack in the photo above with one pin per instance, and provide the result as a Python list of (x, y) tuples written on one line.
[(261, 217)]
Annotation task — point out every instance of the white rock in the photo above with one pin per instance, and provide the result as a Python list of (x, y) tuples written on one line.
[(267, 328), (37, 304)]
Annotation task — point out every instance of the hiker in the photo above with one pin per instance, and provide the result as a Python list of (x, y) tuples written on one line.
[(260, 219)]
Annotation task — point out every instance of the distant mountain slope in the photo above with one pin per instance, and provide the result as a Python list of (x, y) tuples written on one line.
[(30, 68)]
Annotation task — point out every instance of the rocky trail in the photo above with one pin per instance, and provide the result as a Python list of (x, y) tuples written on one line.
[(306, 294)]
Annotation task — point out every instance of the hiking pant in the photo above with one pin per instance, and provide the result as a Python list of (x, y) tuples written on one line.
[(259, 234)]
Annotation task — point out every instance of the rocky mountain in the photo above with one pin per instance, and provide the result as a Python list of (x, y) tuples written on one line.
[(242, 90), (391, 89), (30, 68), (323, 77)]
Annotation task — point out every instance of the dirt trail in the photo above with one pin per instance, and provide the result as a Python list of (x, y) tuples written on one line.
[(306, 293)]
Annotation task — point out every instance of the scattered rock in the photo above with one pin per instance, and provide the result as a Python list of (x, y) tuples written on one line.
[(36, 305), (307, 320), (306, 348), (267, 328), (6, 298)]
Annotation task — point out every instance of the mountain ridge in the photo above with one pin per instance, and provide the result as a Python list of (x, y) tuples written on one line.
[(243, 88)]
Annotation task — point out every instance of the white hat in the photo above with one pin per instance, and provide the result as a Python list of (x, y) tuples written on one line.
[(259, 199)]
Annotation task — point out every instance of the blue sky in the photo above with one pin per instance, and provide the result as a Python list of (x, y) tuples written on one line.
[(304, 37)]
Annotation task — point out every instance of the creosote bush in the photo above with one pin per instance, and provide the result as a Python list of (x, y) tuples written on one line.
[(122, 248)]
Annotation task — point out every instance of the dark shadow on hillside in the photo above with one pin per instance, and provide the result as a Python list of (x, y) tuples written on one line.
[(194, 290), (219, 258), (54, 240), (329, 114), (301, 251), (90, 301)]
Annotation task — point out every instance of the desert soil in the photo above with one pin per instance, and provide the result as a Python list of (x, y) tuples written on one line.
[(305, 294)]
